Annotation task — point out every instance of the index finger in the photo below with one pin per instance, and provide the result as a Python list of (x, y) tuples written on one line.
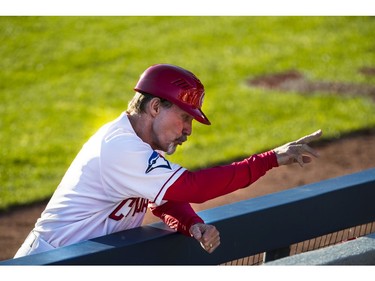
[(309, 138)]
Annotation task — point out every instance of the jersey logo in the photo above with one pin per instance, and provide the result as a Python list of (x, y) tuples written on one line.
[(157, 161)]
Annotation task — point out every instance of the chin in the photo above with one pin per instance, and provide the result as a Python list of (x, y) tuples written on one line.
[(171, 149)]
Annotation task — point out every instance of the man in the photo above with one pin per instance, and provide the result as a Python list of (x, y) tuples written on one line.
[(121, 171)]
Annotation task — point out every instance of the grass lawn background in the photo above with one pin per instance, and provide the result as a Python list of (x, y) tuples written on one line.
[(63, 77)]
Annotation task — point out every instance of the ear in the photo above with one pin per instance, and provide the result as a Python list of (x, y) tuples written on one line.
[(154, 106)]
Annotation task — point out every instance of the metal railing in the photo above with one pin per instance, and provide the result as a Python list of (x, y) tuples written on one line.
[(266, 227)]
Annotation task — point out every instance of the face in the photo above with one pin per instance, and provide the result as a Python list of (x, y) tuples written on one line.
[(171, 127)]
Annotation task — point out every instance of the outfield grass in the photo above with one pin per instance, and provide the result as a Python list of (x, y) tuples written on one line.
[(63, 77)]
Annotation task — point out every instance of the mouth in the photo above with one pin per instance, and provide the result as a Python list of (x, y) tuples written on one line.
[(181, 140)]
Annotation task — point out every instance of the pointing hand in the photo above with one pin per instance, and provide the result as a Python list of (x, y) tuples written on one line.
[(297, 151)]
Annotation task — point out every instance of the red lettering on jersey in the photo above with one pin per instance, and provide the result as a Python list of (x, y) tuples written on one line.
[(141, 206), (138, 205)]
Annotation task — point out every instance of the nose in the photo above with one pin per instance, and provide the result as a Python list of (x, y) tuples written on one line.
[(188, 128)]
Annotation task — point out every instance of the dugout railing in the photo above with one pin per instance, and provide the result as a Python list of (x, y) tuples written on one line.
[(266, 227)]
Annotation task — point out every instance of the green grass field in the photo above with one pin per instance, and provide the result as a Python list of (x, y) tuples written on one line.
[(63, 77)]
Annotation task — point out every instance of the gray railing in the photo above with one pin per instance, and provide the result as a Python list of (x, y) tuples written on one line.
[(266, 224)]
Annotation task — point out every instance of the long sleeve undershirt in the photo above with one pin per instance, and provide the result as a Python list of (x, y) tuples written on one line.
[(206, 184), (179, 216)]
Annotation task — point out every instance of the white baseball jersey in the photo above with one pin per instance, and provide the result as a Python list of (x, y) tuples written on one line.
[(107, 188)]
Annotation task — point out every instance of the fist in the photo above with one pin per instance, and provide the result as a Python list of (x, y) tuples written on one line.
[(207, 235)]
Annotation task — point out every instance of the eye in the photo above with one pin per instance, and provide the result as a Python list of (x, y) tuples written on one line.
[(187, 118)]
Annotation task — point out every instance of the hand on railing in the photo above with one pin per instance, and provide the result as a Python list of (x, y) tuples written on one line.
[(297, 151), (207, 235)]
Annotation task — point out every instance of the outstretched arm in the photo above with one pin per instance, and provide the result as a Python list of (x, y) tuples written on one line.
[(206, 184)]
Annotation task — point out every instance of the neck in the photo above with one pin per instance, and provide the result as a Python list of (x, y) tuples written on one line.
[(141, 126)]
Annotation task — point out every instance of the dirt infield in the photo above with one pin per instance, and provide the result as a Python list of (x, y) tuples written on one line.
[(349, 154), (295, 81)]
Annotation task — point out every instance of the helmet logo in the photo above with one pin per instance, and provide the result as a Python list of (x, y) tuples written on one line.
[(192, 97), (189, 94)]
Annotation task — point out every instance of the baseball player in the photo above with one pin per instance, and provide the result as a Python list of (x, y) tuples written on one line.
[(122, 171)]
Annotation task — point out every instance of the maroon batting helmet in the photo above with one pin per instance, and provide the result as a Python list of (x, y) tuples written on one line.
[(176, 85)]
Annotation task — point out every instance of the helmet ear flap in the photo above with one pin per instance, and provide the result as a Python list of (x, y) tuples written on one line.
[(176, 85)]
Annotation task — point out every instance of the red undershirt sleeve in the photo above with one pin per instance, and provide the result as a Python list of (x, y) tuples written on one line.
[(179, 216), (206, 184)]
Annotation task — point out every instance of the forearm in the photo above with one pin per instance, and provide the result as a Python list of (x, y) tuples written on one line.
[(179, 216), (206, 184)]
